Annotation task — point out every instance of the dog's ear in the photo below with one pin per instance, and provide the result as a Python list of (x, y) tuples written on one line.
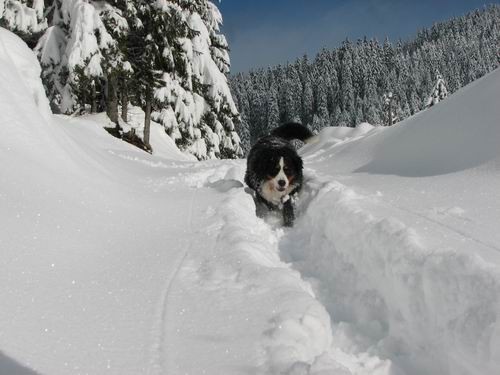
[(296, 162), (299, 165), (263, 163)]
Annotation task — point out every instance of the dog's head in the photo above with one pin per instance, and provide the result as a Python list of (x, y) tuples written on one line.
[(280, 174)]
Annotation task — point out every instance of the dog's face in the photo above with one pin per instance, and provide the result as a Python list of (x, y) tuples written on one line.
[(280, 174)]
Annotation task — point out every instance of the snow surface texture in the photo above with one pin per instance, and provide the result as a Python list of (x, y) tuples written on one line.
[(115, 261)]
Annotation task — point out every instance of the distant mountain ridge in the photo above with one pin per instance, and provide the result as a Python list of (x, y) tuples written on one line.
[(351, 84)]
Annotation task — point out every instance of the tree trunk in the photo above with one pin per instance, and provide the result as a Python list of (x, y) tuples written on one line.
[(112, 102), (124, 95), (82, 103), (147, 119), (93, 104), (390, 111)]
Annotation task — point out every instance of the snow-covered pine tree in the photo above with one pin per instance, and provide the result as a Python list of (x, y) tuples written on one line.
[(273, 114), (154, 29), (292, 94), (241, 98), (195, 104), (25, 18), (346, 93), (307, 101), (390, 108), (439, 92), (322, 115), (258, 114), (116, 66), (77, 53), (243, 131)]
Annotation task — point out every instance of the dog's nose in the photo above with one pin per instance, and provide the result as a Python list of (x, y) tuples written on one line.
[(281, 183)]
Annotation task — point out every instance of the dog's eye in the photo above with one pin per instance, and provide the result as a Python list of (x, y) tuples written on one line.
[(287, 170)]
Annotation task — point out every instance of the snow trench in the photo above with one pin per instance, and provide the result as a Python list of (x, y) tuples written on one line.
[(298, 337), (355, 293)]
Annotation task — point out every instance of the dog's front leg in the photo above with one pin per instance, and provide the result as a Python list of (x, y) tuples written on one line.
[(288, 213)]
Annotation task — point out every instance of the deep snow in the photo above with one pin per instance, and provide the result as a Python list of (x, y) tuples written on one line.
[(113, 261)]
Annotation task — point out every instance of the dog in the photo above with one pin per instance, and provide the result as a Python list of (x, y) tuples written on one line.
[(274, 169)]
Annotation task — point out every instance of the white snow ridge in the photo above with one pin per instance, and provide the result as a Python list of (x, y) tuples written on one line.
[(114, 261)]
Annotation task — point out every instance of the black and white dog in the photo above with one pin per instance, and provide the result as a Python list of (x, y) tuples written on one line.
[(274, 169)]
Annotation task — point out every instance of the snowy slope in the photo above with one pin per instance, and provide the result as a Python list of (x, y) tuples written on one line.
[(113, 261)]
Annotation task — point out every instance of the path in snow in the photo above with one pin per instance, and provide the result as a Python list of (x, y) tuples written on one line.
[(239, 278), (396, 306)]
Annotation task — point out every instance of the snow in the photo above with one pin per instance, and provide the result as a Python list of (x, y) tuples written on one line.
[(115, 261), (21, 17), (14, 53), (76, 41)]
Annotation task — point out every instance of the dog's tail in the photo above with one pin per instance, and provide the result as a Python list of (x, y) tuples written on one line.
[(293, 130)]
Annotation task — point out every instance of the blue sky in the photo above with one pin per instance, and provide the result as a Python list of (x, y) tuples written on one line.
[(269, 32)]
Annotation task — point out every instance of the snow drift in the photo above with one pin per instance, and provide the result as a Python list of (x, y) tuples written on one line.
[(465, 133)]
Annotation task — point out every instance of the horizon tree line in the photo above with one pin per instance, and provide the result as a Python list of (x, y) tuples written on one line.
[(368, 81)]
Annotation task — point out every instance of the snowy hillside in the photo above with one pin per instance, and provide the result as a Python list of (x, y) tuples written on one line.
[(113, 261)]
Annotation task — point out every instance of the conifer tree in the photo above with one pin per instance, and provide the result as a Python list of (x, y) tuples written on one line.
[(25, 18), (195, 104), (439, 92), (391, 109), (307, 101), (75, 54), (273, 115)]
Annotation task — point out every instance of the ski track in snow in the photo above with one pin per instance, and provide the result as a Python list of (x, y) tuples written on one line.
[(160, 363)]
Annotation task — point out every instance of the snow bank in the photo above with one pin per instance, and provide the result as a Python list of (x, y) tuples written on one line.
[(300, 329), (332, 136), (27, 132), (398, 235), (163, 146), (429, 310), (20, 65)]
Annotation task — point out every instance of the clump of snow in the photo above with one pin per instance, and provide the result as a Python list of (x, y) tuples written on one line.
[(204, 67), (21, 17)]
